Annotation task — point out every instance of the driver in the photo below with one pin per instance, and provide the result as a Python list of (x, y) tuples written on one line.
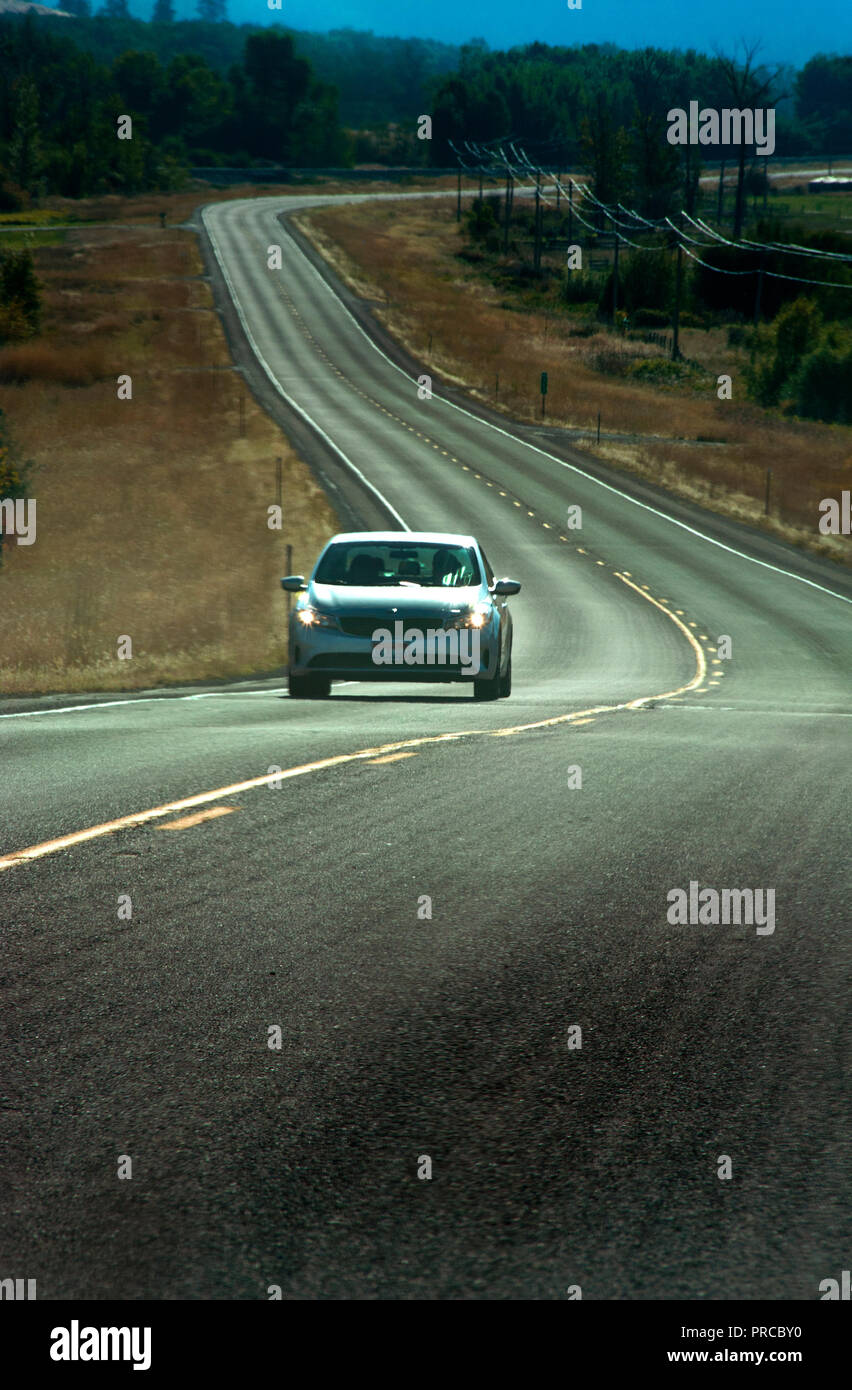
[(445, 566)]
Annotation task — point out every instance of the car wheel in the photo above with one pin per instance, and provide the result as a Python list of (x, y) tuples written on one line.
[(488, 689), (308, 687), (506, 681)]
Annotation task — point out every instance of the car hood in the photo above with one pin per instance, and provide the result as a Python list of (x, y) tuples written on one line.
[(393, 601)]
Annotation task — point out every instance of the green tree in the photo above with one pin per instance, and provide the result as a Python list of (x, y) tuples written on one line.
[(276, 83), (25, 145), (163, 13), (778, 353), (748, 86), (212, 11), (656, 167), (605, 146), (19, 285), (822, 385), (195, 101), (139, 81), (824, 101)]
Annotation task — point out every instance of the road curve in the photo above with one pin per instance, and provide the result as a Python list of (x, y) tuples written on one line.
[(301, 904)]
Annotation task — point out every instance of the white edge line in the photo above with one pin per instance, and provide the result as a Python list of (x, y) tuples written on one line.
[(72, 709), (535, 448), (151, 699), (279, 388)]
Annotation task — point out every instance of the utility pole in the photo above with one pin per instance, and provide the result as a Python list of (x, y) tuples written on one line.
[(759, 290), (537, 250), (570, 212), (678, 289), (480, 185), (739, 203), (458, 199), (720, 200), (558, 188), (615, 275), (507, 213)]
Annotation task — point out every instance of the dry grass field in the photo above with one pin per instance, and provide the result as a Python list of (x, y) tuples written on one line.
[(405, 254), (151, 512)]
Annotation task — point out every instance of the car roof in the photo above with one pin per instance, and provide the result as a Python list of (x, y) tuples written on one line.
[(413, 537)]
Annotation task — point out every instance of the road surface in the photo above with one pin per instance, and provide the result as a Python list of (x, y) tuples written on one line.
[(544, 834)]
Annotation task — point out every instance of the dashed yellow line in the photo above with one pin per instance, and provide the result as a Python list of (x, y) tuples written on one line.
[(386, 753), (185, 822), (94, 832)]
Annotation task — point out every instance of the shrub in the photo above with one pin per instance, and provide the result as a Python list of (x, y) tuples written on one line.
[(611, 360), (15, 327), (11, 198), (19, 286), (778, 353), (659, 371), (822, 385), (645, 280), (14, 474), (650, 318), (580, 287), (41, 361), (482, 225)]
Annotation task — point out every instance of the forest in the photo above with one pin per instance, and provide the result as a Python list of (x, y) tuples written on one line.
[(59, 106), (208, 92)]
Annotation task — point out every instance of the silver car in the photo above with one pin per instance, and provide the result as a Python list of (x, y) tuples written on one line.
[(401, 606)]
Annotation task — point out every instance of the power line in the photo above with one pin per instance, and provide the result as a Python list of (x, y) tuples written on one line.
[(522, 168)]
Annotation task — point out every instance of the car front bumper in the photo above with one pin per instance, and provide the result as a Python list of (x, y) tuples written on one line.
[(327, 652)]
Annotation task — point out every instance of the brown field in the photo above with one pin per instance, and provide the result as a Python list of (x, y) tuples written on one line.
[(404, 254), (151, 519), (145, 208)]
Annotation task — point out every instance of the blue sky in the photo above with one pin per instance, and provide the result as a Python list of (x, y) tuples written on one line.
[(790, 30)]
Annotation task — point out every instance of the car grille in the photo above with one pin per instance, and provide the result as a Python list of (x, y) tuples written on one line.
[(364, 626), (339, 661)]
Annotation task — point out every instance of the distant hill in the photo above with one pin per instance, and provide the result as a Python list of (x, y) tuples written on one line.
[(24, 7)]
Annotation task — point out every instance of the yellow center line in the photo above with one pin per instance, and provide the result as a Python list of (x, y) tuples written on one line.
[(391, 758), (185, 822), (94, 832)]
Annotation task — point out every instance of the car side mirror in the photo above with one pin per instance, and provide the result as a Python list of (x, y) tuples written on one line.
[(294, 583), (505, 587)]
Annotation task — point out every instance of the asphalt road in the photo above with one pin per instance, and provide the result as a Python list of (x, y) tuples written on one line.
[(300, 905)]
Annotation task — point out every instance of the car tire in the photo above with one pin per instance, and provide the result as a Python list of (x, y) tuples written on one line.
[(506, 681), (490, 688), (308, 687)]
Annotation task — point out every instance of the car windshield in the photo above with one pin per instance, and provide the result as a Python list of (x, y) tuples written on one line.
[(376, 565)]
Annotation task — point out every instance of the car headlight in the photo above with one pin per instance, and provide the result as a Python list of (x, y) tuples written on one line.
[(313, 617), (476, 617)]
